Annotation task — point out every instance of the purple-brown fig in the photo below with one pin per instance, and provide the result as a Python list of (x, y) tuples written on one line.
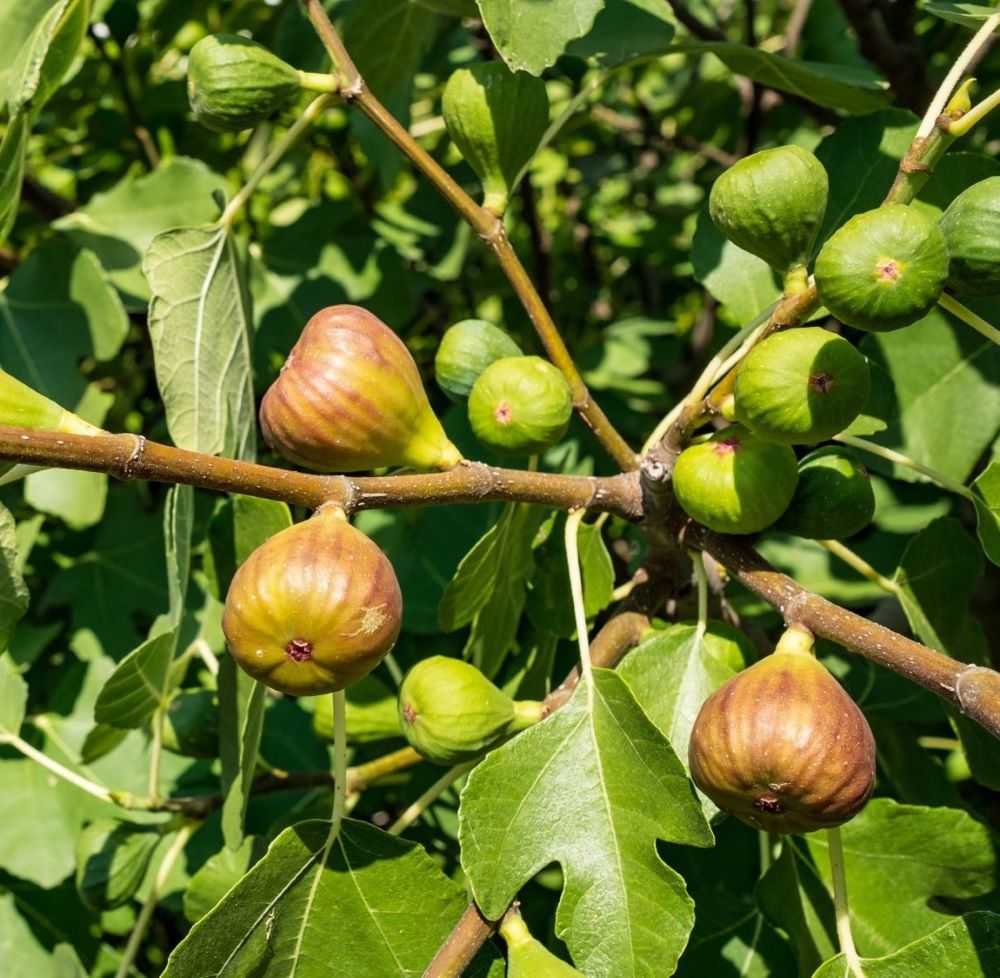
[(314, 608), (349, 397), (783, 748)]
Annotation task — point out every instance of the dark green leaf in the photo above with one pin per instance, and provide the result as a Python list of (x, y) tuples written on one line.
[(12, 150)]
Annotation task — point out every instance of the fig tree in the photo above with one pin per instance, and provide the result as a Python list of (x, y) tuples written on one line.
[(834, 497), (971, 227), (466, 350)]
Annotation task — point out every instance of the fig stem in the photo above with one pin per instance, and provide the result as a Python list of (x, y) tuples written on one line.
[(339, 768), (841, 908), (701, 578), (796, 640), (576, 588), (862, 566), (414, 811), (59, 770), (967, 316), (156, 751), (963, 124)]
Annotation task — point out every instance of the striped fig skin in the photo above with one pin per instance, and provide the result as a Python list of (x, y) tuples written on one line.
[(314, 608), (349, 397), (783, 748)]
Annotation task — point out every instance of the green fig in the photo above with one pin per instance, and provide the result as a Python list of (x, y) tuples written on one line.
[(466, 350), (528, 957), (834, 497), (801, 386), (23, 407), (735, 481), (971, 228), (112, 857), (234, 83), (783, 748), (314, 608), (450, 712), (883, 269), (372, 713), (191, 723), (497, 119), (772, 204), (520, 406), (350, 397)]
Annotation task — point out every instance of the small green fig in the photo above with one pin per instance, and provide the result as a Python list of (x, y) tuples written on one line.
[(350, 397), (801, 386), (112, 857), (520, 406), (496, 118), (783, 748), (971, 227), (314, 608), (234, 83), (528, 957), (450, 712), (771, 204), (735, 481), (191, 723), (466, 350), (883, 269), (834, 497)]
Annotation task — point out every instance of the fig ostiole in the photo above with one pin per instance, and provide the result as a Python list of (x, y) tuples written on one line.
[(450, 712), (735, 481), (314, 608), (466, 350), (884, 269), (833, 499), (527, 957), (801, 386), (771, 204), (782, 747), (520, 406), (971, 228), (350, 397)]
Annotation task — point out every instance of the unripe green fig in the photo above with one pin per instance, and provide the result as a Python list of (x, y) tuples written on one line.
[(112, 857), (450, 712), (735, 481), (801, 386), (191, 723), (971, 228), (528, 957), (783, 748), (771, 204), (883, 269), (496, 118), (350, 397), (234, 83), (314, 608), (466, 350), (834, 497), (520, 406)]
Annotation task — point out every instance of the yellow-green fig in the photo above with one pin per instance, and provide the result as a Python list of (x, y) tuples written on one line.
[(23, 407), (527, 957), (349, 397), (466, 350), (314, 608)]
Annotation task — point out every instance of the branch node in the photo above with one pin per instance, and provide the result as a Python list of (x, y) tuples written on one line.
[(131, 464)]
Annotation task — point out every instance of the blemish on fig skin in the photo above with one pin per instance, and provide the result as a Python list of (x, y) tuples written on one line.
[(730, 446), (299, 650), (409, 714), (821, 383), (503, 413)]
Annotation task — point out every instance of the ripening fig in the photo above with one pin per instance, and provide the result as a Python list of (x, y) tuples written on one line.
[(191, 723), (450, 712), (783, 748), (520, 406), (112, 857), (314, 608), (234, 83), (801, 386), (528, 957), (771, 204), (466, 350), (883, 269), (834, 497), (350, 397), (735, 481), (496, 118), (971, 227)]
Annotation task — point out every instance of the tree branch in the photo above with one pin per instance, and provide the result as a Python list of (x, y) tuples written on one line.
[(463, 943)]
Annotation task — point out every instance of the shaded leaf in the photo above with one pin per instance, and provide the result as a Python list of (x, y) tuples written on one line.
[(625, 30), (23, 954), (13, 592), (969, 15), (986, 496), (12, 150)]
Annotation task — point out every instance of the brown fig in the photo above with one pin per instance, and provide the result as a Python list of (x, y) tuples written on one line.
[(349, 397), (314, 608), (783, 748)]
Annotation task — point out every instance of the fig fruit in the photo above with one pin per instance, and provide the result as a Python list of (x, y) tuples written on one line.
[(528, 957), (496, 118), (191, 723), (783, 748), (735, 481), (450, 712), (971, 228), (771, 204), (112, 857), (466, 350), (833, 499), (23, 407), (801, 386), (520, 406), (883, 269), (314, 608), (350, 397), (234, 83)]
